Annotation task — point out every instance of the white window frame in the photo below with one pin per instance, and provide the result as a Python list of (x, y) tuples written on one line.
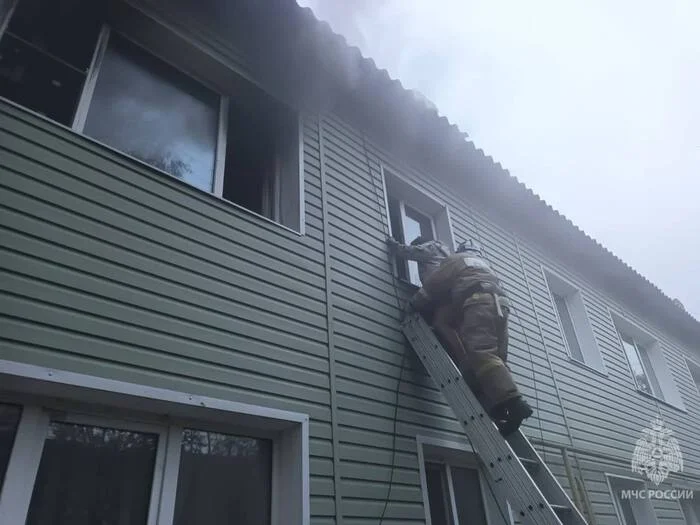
[(644, 510), (270, 194), (694, 376), (452, 453), (689, 514), (408, 194), (583, 331), (138, 407), (645, 342)]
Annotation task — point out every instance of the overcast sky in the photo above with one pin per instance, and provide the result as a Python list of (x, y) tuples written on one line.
[(595, 105)]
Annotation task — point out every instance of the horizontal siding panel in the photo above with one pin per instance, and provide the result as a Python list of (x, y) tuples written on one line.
[(379, 491), (58, 357), (70, 334), (81, 158), (95, 249), (147, 311), (130, 222)]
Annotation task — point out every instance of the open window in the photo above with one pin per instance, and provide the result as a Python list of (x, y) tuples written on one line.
[(651, 374), (631, 509), (576, 330), (110, 72), (413, 213)]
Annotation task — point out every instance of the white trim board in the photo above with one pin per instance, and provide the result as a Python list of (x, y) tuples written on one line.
[(291, 478)]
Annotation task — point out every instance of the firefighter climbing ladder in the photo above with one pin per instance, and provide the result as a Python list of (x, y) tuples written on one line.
[(513, 468)]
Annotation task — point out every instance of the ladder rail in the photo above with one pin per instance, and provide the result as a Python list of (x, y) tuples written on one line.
[(504, 470), (493, 452)]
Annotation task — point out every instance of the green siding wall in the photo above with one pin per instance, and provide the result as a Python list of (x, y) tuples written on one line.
[(109, 268), (604, 413), (113, 269)]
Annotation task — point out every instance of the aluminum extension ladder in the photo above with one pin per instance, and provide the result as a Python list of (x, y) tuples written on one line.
[(513, 468)]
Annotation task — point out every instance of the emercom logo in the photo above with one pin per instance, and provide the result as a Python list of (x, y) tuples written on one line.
[(657, 453), (671, 494)]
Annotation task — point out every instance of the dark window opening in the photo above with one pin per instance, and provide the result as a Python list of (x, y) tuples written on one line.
[(438, 495), (468, 496), (45, 54), (9, 421), (262, 163)]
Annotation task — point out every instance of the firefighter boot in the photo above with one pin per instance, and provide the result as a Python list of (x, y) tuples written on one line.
[(510, 414)]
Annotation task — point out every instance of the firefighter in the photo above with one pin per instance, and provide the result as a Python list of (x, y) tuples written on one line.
[(471, 302), (426, 252)]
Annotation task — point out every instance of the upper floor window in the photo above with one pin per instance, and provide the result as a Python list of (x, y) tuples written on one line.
[(412, 214), (576, 329), (694, 369), (98, 71), (640, 363), (647, 364)]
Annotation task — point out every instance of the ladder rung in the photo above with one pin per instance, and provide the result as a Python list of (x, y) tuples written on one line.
[(529, 463), (561, 508)]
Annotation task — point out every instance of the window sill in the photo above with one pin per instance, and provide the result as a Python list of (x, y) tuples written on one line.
[(406, 284), (662, 401), (588, 367), (128, 161)]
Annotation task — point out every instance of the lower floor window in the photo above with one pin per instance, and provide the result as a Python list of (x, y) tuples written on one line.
[(631, 510), (9, 421), (691, 509), (223, 479), (454, 494), (90, 470)]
